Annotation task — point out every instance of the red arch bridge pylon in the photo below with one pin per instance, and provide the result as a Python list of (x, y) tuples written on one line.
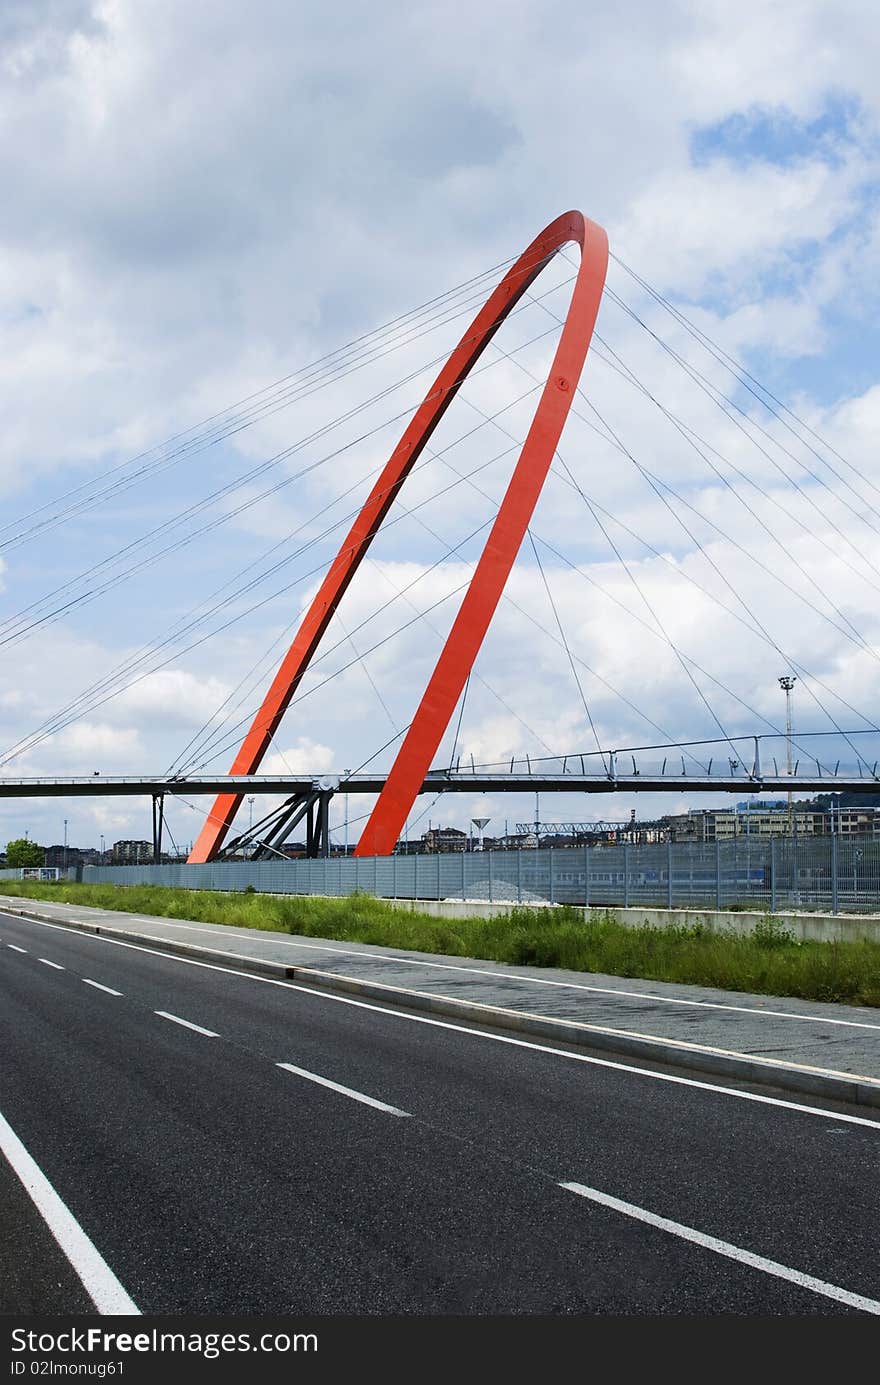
[(487, 584)]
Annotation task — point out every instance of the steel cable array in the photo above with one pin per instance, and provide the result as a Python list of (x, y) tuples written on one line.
[(213, 739)]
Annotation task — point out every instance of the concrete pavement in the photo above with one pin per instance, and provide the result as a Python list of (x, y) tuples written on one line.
[(823, 1049)]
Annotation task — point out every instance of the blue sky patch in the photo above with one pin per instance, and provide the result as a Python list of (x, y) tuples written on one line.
[(776, 135)]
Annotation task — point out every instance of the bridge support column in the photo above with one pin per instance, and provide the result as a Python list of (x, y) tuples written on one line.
[(324, 824), (158, 823), (265, 839)]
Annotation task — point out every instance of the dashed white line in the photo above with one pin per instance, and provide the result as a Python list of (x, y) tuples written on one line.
[(16, 949), (731, 1252), (546, 1048), (187, 1024), (46, 963), (344, 1091), (99, 987), (92, 1270)]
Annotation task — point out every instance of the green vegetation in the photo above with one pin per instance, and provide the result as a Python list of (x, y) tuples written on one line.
[(770, 961), (21, 852)]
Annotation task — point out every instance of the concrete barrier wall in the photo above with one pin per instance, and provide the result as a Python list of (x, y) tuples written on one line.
[(805, 927)]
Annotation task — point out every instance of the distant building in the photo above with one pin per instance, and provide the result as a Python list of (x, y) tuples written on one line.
[(444, 839), (131, 853), (62, 857), (770, 819), (853, 820)]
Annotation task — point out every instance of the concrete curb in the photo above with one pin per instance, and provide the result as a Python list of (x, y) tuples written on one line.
[(821, 1082)]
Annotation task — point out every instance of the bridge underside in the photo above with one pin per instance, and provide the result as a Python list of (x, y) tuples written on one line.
[(306, 800), (440, 782)]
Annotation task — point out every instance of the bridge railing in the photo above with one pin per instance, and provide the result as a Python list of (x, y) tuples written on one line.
[(814, 754), (828, 874)]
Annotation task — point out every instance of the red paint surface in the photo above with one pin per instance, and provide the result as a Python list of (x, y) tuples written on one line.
[(482, 597)]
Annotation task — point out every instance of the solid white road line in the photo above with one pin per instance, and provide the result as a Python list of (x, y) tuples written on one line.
[(16, 949), (759, 1011), (92, 1270), (486, 1035), (344, 1091), (187, 1024), (46, 963), (745, 1257), (98, 987)]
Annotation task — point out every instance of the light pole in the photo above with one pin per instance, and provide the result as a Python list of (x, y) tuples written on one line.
[(251, 822), (347, 773), (786, 684), (65, 843), (102, 848)]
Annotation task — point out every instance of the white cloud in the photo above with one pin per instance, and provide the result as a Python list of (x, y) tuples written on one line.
[(303, 756)]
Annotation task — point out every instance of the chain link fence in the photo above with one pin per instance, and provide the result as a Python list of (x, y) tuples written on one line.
[(834, 874)]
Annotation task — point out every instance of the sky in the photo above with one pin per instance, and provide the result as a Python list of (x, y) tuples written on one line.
[(202, 201)]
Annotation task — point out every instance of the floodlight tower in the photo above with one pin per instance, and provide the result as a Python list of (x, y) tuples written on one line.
[(786, 684)]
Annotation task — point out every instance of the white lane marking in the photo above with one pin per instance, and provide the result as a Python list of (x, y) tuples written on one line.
[(92, 1270), (758, 1011), (46, 963), (732, 1252), (187, 1024), (345, 1091), (98, 986), (482, 1034), (16, 949)]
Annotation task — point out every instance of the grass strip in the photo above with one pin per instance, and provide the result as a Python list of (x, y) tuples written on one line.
[(768, 961)]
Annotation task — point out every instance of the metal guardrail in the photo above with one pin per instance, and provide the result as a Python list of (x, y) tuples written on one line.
[(742, 761)]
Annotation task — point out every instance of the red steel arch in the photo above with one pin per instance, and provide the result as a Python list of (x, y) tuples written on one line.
[(481, 599)]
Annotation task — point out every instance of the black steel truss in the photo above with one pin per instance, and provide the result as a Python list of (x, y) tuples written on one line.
[(265, 839)]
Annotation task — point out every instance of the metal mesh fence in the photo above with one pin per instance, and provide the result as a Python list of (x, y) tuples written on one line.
[(833, 874)]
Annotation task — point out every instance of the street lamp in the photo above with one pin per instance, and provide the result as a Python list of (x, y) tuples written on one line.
[(65, 843)]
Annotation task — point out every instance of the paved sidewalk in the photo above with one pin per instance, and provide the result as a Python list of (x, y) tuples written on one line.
[(828, 1049)]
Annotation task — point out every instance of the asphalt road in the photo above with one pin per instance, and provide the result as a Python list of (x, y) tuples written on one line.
[(426, 1178)]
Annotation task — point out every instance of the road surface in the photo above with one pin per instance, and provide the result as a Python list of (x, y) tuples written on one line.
[(231, 1144)]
